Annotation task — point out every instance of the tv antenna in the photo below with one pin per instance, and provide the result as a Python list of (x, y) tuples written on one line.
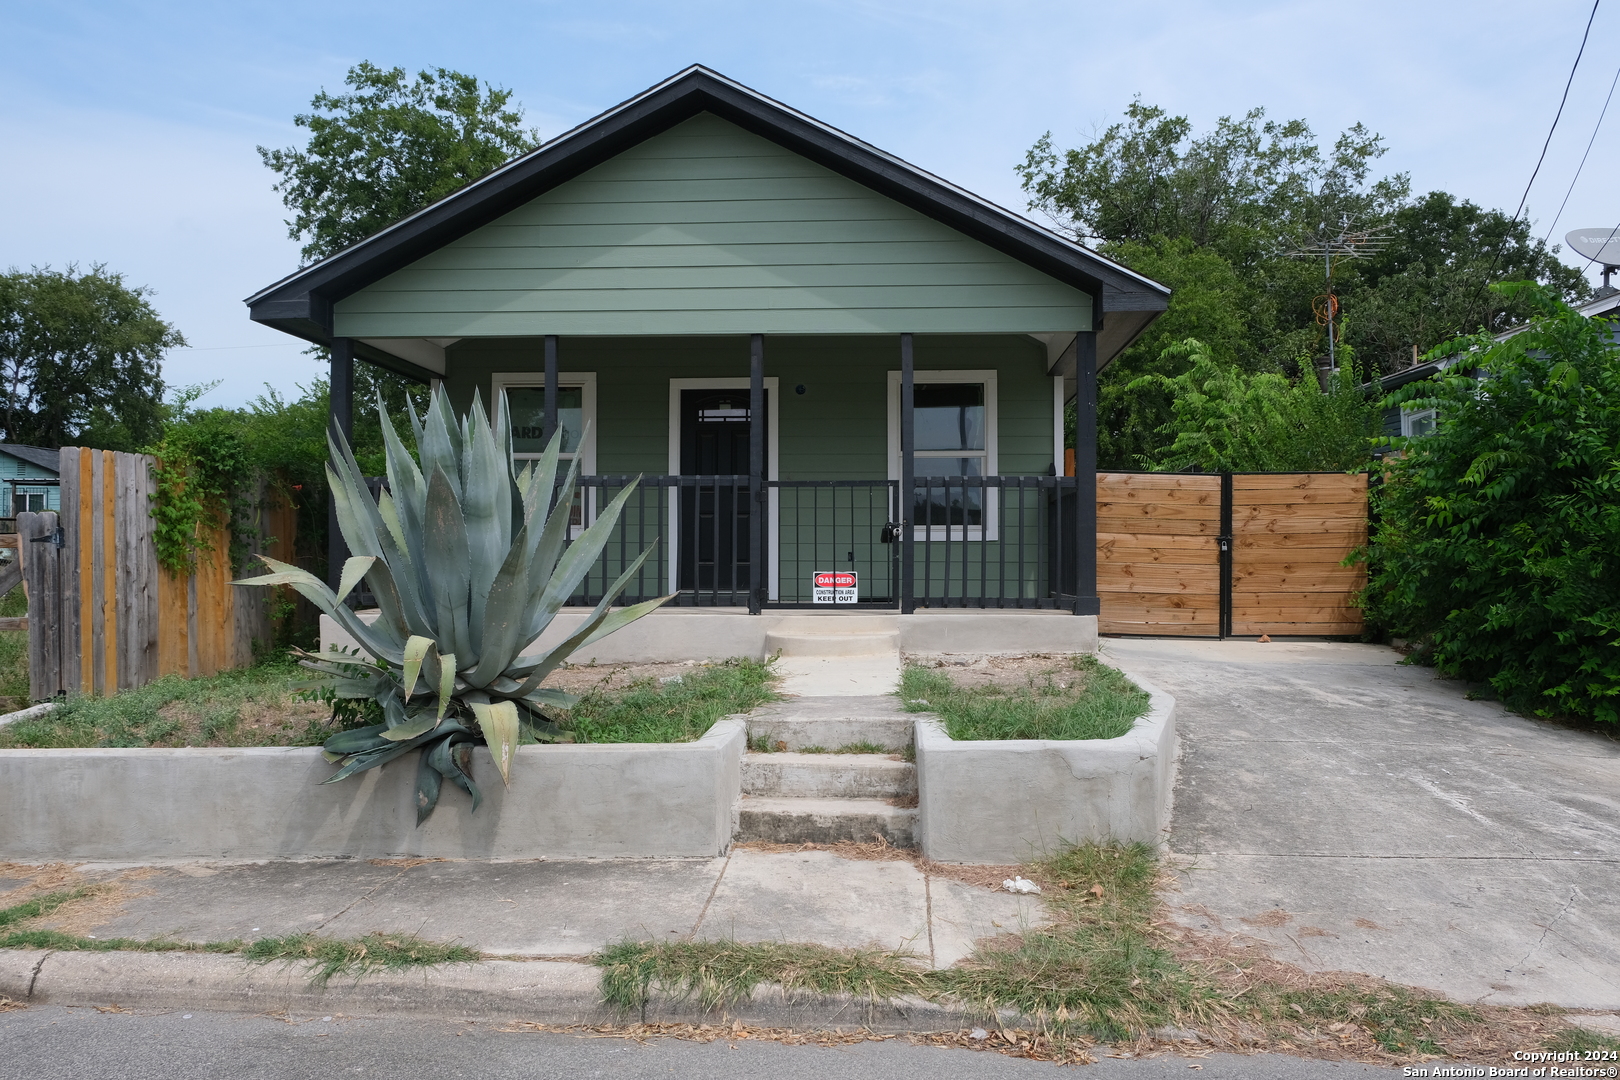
[(1334, 245)]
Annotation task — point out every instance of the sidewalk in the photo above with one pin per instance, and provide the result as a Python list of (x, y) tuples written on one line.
[(537, 912), (566, 909)]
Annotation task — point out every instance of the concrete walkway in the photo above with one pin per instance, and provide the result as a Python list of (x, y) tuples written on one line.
[(1358, 815), (564, 909)]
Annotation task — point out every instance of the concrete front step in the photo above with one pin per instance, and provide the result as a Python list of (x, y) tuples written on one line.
[(833, 643), (828, 776), (832, 722), (825, 821)]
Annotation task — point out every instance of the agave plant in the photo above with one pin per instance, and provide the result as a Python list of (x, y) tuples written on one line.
[(470, 560)]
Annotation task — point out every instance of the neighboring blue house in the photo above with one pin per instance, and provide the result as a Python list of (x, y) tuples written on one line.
[(18, 465), (1406, 422)]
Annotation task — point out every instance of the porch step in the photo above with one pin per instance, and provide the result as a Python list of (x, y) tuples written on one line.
[(832, 642), (825, 821), (828, 776), (832, 722)]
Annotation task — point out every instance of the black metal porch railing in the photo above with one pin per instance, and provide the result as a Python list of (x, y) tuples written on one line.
[(993, 542), (835, 526), (696, 526), (979, 542)]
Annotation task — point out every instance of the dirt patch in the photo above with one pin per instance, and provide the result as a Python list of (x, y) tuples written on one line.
[(1274, 917), (104, 897), (583, 678), (1012, 1042), (273, 720), (1009, 672)]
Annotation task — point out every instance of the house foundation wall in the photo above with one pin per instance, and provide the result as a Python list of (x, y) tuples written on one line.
[(718, 633)]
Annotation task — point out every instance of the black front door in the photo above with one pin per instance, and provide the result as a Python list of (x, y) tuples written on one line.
[(715, 556)]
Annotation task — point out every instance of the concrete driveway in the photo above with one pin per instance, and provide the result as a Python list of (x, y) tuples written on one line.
[(1363, 816)]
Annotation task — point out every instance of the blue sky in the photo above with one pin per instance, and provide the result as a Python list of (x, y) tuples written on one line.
[(129, 129)]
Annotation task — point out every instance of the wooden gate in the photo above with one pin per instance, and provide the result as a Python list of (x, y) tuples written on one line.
[(1218, 555), (104, 616), (1158, 553), (1291, 533)]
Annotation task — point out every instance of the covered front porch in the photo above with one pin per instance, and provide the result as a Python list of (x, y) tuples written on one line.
[(838, 382)]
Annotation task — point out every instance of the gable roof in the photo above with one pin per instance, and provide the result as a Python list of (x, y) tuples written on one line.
[(34, 455), (301, 304)]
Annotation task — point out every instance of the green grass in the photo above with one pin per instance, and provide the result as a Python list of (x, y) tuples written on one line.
[(1081, 699), (13, 654), (761, 746), (263, 706), (214, 710), (677, 711), (326, 957), (1579, 1040), (720, 973)]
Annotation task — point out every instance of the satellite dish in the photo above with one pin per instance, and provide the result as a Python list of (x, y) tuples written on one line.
[(1601, 245)]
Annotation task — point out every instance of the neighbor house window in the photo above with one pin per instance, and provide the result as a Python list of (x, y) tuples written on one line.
[(1415, 425), (955, 417)]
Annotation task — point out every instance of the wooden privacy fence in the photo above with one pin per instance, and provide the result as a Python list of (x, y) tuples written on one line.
[(104, 616), (1222, 554)]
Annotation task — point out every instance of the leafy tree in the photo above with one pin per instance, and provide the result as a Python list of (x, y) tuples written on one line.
[(1498, 544), (81, 359), (1429, 282), (388, 148), (1216, 217), (1224, 218), (1242, 189), (1229, 420)]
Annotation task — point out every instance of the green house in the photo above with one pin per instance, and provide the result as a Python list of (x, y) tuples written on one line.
[(840, 379)]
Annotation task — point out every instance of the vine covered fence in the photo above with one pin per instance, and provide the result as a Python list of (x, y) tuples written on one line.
[(104, 615)]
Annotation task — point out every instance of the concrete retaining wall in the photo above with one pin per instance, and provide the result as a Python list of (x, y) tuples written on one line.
[(592, 801), (674, 634), (1008, 801)]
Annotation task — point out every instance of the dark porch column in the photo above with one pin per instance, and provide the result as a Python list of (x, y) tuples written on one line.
[(551, 389), (759, 576), (908, 474), (1085, 474), (342, 411)]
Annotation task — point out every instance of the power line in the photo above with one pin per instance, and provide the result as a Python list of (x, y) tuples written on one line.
[(1595, 129), (1561, 102), (1497, 256)]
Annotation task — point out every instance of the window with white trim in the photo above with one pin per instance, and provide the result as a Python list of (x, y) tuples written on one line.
[(576, 414), (954, 413), (1415, 425), (576, 417)]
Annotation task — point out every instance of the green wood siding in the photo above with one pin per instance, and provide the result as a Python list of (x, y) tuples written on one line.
[(836, 430), (708, 229)]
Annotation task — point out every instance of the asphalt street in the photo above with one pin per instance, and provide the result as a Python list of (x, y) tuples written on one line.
[(62, 1043)]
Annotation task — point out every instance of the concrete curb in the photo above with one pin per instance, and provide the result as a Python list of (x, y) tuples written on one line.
[(542, 991)]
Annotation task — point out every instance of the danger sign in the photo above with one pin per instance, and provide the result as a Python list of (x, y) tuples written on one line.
[(834, 587)]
